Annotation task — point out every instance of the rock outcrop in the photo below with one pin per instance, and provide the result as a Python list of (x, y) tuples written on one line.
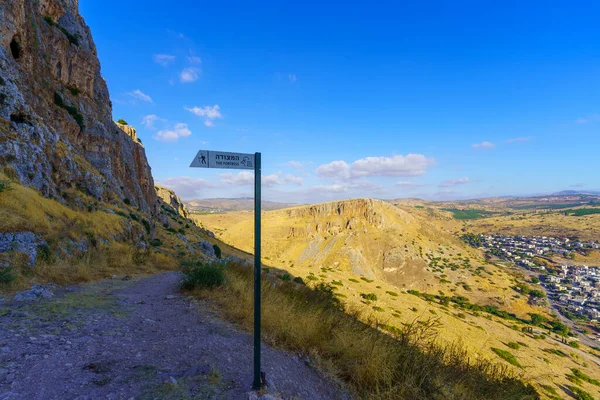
[(337, 216), (21, 242), (56, 127), (171, 200)]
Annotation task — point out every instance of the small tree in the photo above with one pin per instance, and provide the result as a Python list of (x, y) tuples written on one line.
[(5, 186), (122, 121), (217, 251)]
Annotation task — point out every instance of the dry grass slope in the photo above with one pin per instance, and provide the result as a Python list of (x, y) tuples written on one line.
[(407, 365)]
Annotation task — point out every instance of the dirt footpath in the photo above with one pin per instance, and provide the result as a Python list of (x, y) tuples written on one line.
[(137, 340)]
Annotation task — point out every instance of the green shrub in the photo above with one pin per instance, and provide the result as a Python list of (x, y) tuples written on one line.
[(354, 280), (366, 279), (312, 278), (574, 344), (72, 110), (127, 201), (513, 345), (583, 376), (147, 226), (299, 280), (507, 356), (73, 39), (394, 294), (5, 186), (44, 253), (285, 277), (6, 275), (266, 270), (369, 296), (155, 242), (122, 121), (550, 390), (378, 309), (202, 275), (217, 251), (74, 91), (581, 394)]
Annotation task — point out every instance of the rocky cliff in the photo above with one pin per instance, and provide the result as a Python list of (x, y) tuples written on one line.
[(170, 199), (56, 127)]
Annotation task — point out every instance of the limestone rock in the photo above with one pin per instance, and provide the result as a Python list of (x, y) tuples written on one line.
[(21, 242), (56, 128), (36, 292), (171, 200), (207, 248)]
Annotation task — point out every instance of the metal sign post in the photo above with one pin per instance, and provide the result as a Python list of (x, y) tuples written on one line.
[(222, 159)]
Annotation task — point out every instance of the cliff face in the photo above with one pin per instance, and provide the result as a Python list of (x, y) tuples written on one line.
[(169, 198), (336, 217), (56, 128)]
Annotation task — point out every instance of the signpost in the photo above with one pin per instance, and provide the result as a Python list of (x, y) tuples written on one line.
[(223, 159)]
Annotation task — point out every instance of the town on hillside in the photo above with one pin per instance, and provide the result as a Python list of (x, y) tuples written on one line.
[(574, 290)]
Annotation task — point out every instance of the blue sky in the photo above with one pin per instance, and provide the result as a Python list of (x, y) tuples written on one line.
[(434, 99)]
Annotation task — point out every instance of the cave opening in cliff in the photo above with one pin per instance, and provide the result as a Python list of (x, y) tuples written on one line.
[(15, 47)]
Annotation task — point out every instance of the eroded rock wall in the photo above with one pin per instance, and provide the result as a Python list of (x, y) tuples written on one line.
[(56, 127), (170, 199)]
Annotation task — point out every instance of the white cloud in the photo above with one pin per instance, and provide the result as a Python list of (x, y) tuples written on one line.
[(292, 78), (195, 60), (295, 180), (484, 145), (247, 178), (174, 133), (519, 139), (270, 180), (334, 170), (398, 165), (207, 112), (336, 188), (589, 118), (149, 120), (139, 95), (295, 164), (241, 178), (189, 74), (454, 182), (163, 59), (409, 185), (185, 186)]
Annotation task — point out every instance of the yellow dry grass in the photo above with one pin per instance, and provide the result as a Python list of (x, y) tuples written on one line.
[(478, 332), (375, 365), (24, 209)]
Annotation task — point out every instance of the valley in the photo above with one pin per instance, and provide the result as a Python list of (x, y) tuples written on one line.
[(409, 262), (114, 286)]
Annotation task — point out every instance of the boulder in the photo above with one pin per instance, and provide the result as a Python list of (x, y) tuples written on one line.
[(36, 292), (207, 248), (21, 242)]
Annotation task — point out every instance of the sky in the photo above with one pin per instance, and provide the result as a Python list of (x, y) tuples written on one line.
[(438, 100)]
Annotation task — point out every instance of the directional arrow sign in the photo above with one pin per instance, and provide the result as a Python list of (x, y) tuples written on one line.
[(223, 159)]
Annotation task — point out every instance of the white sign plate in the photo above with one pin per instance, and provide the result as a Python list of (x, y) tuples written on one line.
[(223, 159)]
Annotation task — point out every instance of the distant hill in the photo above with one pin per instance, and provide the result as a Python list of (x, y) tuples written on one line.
[(361, 236), (221, 205), (577, 192)]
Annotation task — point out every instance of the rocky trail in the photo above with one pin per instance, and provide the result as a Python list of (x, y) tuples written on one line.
[(138, 340)]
